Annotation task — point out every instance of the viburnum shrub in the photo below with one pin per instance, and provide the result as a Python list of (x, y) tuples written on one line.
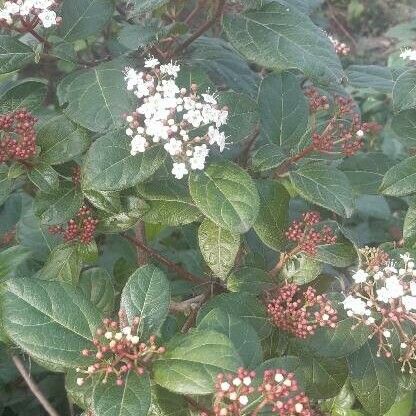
[(205, 209)]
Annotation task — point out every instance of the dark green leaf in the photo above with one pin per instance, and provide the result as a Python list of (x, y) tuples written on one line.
[(143, 6), (340, 254), (219, 247), (302, 269), (10, 258), (271, 37), (165, 403), (400, 179), (268, 156), (374, 77), (82, 18), (271, 222), (109, 166), (373, 379), (192, 362), (242, 335), (226, 194), (147, 295), (250, 280), (52, 321), (325, 186), (13, 54), (283, 109), (404, 125), (404, 91), (133, 398), (44, 177)]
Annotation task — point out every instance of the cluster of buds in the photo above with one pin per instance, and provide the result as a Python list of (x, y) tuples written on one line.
[(316, 100), (301, 313), (345, 131), (374, 257), (18, 136), (341, 48), (25, 15), (307, 236), (76, 175), (184, 121), (384, 299), (119, 350), (408, 54), (81, 228), (279, 392)]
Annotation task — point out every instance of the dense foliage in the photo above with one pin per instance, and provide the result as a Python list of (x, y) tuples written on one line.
[(206, 208)]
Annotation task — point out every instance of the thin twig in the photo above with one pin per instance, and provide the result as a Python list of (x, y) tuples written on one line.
[(140, 233), (197, 406), (248, 146), (180, 271), (341, 26), (186, 305), (201, 30), (200, 4), (33, 387)]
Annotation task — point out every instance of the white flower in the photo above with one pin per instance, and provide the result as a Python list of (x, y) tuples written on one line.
[(216, 136), (370, 320), (11, 8), (126, 330), (378, 275), (247, 381), (356, 305), (387, 333), (170, 69), (243, 400), (359, 133), (193, 117), (225, 386), (118, 336), (360, 276), (278, 378), (152, 62), (42, 4), (179, 170), (138, 145), (80, 381), (298, 407), (5, 15), (405, 257), (394, 287), (209, 99), (383, 295), (173, 147), (135, 339), (413, 288), (108, 335), (409, 54), (233, 396), (48, 18), (409, 302), (237, 382)]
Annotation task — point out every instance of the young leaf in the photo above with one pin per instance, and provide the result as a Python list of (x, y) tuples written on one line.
[(271, 37), (283, 109), (82, 18), (52, 321), (242, 335), (373, 379), (109, 165), (132, 398), (226, 194), (192, 362), (400, 179), (325, 186), (147, 295), (272, 220), (219, 247)]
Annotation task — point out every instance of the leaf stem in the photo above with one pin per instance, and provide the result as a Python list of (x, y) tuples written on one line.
[(33, 387), (180, 271), (201, 30)]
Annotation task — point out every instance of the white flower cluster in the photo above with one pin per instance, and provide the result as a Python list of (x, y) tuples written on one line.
[(409, 54), (237, 382), (14, 10), (184, 121), (388, 286)]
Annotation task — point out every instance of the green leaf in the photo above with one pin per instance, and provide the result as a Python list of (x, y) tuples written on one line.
[(400, 179), (249, 279), (409, 226), (133, 398), (373, 379), (26, 93), (109, 166), (403, 406), (223, 64), (59, 205), (169, 202), (82, 18), (97, 98), (60, 139), (226, 194), (242, 305), (340, 254), (302, 269), (13, 54), (284, 111), (44, 177), (242, 335), (242, 115), (64, 264), (271, 37), (165, 403), (404, 91), (10, 259), (5, 184), (143, 6), (52, 321), (325, 186), (192, 362), (268, 156), (219, 247), (147, 295), (374, 77), (96, 285), (404, 125), (365, 171), (271, 222), (80, 395), (107, 201)]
